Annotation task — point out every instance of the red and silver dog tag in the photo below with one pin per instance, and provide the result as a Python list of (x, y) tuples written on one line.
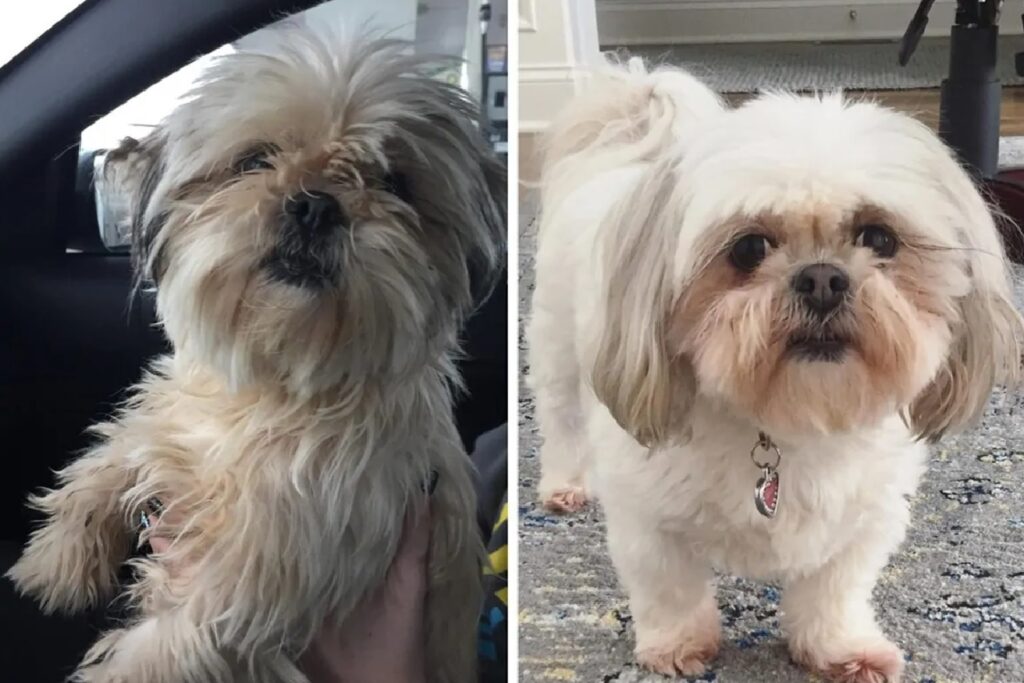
[(766, 493)]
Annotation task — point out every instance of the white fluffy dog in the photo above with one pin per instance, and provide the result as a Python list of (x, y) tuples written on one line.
[(315, 219), (806, 282)]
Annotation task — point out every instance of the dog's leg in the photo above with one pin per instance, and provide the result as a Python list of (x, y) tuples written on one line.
[(170, 649), (830, 622), (156, 649), (555, 379), (671, 597), (71, 561), (180, 637)]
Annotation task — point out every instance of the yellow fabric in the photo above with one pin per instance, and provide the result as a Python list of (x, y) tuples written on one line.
[(499, 560), (502, 518)]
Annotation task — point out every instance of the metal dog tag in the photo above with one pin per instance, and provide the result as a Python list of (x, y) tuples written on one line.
[(766, 493)]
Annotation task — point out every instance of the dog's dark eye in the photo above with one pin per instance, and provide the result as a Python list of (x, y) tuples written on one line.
[(397, 184), (255, 160), (878, 239), (748, 252)]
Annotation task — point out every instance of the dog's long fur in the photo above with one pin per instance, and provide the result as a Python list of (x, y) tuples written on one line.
[(295, 423), (656, 361)]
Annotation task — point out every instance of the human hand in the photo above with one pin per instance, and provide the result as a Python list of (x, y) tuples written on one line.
[(384, 638)]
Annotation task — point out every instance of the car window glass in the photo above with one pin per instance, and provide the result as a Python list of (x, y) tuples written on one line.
[(20, 27)]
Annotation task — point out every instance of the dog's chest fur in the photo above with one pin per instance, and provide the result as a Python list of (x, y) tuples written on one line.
[(833, 490), (338, 473)]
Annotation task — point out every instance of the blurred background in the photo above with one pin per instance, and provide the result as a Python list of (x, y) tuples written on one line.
[(741, 46)]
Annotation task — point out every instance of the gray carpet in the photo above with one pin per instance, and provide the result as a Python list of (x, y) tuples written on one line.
[(953, 597), (747, 67)]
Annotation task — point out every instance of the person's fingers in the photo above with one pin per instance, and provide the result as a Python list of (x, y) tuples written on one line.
[(408, 573), (150, 520), (414, 545), (158, 543)]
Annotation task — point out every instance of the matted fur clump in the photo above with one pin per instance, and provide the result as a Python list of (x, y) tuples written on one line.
[(806, 272), (316, 219)]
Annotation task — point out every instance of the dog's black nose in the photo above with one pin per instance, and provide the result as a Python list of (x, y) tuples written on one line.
[(821, 286), (315, 212)]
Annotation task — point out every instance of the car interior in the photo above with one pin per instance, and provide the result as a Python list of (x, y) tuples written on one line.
[(71, 340)]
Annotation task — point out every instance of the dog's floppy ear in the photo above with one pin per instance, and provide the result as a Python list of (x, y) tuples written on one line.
[(989, 336), (480, 184), (487, 263), (645, 385), (986, 351), (464, 186), (139, 164), (633, 117)]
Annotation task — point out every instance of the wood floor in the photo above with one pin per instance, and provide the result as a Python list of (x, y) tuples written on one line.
[(924, 104)]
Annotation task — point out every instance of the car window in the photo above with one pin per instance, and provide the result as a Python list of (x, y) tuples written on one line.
[(19, 28), (135, 118), (448, 27)]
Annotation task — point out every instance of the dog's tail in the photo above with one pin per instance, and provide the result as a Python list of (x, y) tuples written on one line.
[(625, 114)]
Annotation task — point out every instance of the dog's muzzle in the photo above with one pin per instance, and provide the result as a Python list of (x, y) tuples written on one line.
[(306, 252)]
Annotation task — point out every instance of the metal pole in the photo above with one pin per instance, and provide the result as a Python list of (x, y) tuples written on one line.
[(971, 95)]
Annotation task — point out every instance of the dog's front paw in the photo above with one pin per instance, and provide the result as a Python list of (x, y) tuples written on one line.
[(565, 500), (688, 650), (171, 649), (687, 659), (878, 662), (61, 581), (69, 567), (101, 664)]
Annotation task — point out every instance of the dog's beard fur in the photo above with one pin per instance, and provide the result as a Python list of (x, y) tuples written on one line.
[(308, 394), (894, 327)]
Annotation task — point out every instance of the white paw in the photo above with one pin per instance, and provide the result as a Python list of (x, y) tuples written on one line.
[(690, 649), (878, 662), (566, 500)]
